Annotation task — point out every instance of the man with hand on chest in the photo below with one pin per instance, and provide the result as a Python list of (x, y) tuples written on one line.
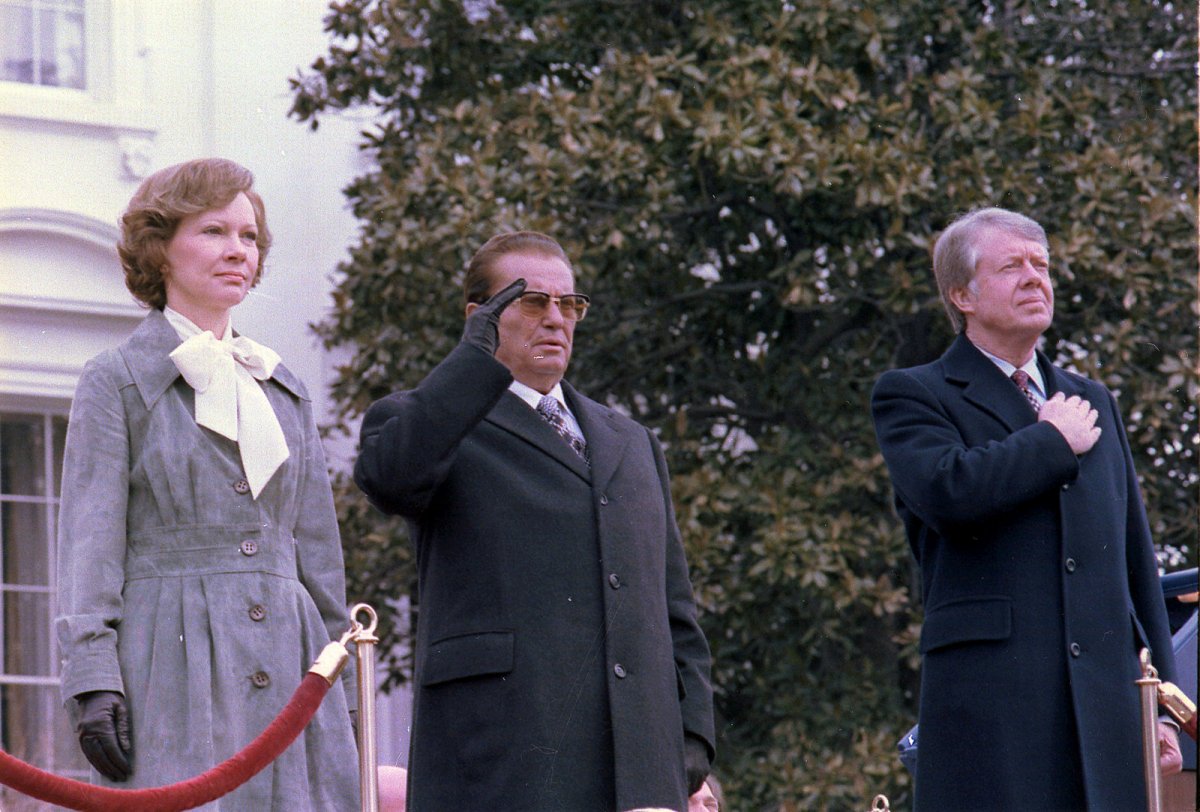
[(559, 664), (1016, 486)]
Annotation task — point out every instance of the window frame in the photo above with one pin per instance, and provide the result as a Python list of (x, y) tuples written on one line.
[(37, 9), (116, 82), (48, 410)]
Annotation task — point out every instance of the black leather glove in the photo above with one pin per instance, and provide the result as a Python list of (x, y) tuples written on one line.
[(483, 325), (695, 762), (104, 733)]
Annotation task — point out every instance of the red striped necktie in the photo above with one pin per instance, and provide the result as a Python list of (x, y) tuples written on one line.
[(1021, 379)]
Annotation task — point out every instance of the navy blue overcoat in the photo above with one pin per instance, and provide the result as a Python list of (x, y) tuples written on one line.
[(1039, 583)]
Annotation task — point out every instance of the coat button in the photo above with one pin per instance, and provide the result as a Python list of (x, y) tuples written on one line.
[(614, 581), (619, 670), (258, 612), (1076, 650), (603, 499), (248, 547), (260, 679), (1070, 564), (241, 486), (1067, 487)]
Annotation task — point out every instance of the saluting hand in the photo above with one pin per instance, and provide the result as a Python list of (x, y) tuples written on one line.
[(1074, 418), (483, 325)]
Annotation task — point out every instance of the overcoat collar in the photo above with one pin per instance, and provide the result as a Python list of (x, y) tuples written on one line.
[(987, 387), (605, 438), (147, 355), (606, 435)]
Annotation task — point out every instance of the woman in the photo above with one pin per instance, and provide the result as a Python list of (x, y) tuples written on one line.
[(200, 568)]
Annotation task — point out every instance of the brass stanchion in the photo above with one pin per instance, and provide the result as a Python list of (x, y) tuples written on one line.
[(1148, 689), (1182, 709), (368, 766)]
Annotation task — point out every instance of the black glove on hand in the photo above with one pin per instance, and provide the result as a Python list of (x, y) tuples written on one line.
[(483, 325), (695, 762), (104, 733)]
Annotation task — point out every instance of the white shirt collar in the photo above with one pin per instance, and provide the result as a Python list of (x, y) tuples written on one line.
[(532, 396), (1031, 369)]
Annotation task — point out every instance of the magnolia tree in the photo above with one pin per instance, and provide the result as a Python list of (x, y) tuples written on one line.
[(749, 191)]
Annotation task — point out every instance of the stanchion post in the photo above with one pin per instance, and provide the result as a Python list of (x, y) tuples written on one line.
[(1148, 689), (368, 759)]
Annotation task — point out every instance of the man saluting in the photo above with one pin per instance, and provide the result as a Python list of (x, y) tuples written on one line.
[(559, 665)]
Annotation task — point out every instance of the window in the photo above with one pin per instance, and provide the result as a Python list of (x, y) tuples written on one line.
[(85, 62), (42, 43), (33, 723)]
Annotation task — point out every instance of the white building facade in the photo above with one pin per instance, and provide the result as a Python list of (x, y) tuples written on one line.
[(94, 96)]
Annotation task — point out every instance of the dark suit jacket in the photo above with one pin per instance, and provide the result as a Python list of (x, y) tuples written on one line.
[(1040, 585), (558, 658)]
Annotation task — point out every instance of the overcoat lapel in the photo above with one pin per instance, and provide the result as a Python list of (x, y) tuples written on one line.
[(514, 416), (984, 385), (1057, 380), (606, 442), (146, 355)]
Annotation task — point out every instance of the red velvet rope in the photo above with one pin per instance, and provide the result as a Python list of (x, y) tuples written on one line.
[(208, 786)]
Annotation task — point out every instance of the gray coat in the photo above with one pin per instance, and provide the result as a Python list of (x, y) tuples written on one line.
[(202, 605)]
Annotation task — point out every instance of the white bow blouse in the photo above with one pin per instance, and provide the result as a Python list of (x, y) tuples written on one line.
[(229, 400)]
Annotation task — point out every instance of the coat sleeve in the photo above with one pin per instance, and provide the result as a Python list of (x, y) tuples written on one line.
[(1145, 588), (318, 545), (409, 439), (692, 656), (92, 533), (944, 480)]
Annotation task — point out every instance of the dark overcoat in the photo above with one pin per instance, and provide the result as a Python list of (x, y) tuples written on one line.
[(558, 658), (1039, 583)]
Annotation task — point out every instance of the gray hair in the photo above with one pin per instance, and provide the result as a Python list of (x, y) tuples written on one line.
[(959, 246)]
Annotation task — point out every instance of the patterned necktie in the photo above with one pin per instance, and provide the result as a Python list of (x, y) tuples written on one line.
[(549, 409), (1021, 379)]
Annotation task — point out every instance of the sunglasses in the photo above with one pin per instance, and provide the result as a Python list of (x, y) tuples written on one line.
[(573, 306)]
